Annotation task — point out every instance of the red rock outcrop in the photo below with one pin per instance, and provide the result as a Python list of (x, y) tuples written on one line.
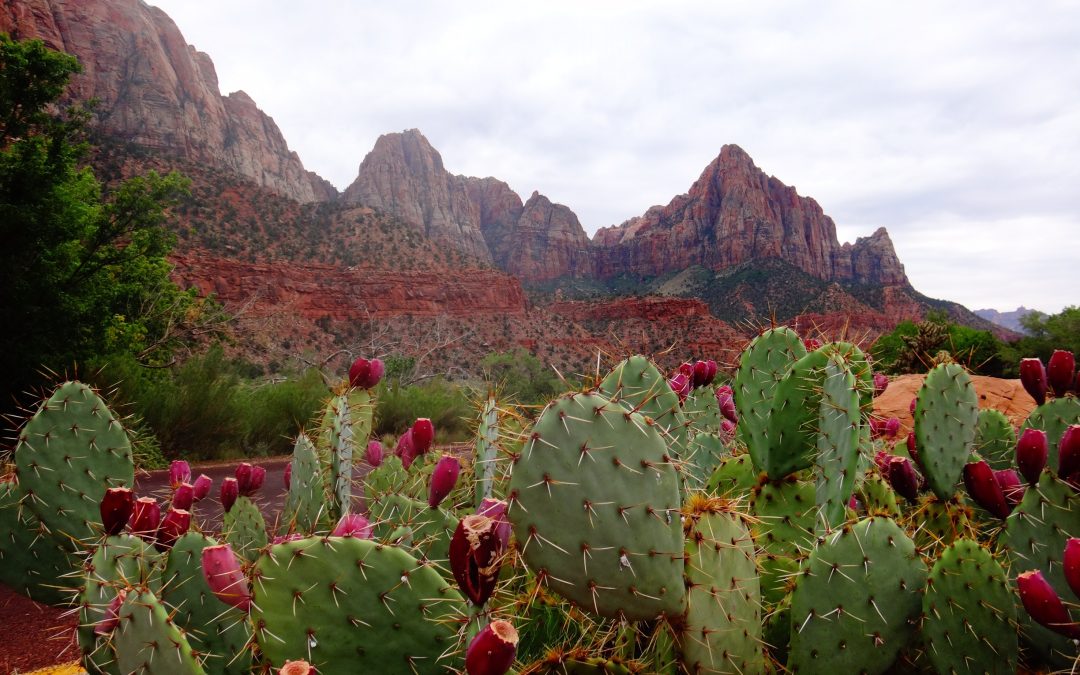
[(156, 91), (545, 242), (734, 213)]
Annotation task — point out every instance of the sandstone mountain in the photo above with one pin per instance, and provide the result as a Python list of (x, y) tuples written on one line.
[(157, 92)]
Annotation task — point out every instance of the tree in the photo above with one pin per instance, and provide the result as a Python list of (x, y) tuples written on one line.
[(521, 375), (83, 273)]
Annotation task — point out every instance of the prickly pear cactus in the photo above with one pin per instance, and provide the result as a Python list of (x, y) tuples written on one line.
[(856, 600), (244, 528), (429, 529), (946, 420), (639, 386), (487, 445), (969, 613), (734, 477), (784, 520), (995, 440), (704, 454), (32, 561), (147, 641), (792, 428), (342, 444), (305, 505), (217, 631), (350, 605), (723, 604), (68, 454), (764, 363), (595, 509), (837, 458), (702, 411), (1053, 417)]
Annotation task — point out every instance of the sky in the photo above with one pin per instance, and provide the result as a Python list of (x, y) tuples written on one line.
[(954, 125)]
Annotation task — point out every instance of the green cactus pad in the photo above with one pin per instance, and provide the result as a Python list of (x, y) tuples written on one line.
[(1035, 535), (429, 529), (219, 632), (854, 604), (837, 455), (785, 518), (937, 523), (147, 641), (995, 440), (946, 421), (244, 528), (342, 446), (1053, 417), (723, 616), (351, 605), (792, 428), (305, 505), (32, 561), (594, 502), (969, 613), (702, 412), (639, 386), (735, 477), (704, 454), (763, 364), (487, 446), (878, 497), (70, 452)]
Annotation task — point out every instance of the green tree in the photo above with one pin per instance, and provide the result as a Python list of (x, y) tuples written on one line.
[(521, 375), (1045, 334), (83, 273)]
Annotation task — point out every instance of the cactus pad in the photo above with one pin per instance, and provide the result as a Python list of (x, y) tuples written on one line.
[(305, 505), (639, 386), (946, 420), (995, 440), (148, 642), (837, 455), (429, 529), (1053, 417), (764, 363), (244, 528)]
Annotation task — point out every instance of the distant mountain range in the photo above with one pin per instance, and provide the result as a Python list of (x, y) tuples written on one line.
[(1010, 320), (409, 239)]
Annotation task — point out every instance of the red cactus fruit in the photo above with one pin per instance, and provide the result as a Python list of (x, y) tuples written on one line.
[(112, 614), (1070, 562), (243, 477), (1069, 452), (812, 344), (202, 486), (713, 368), (423, 435), (902, 477), (912, 449), (475, 555), (727, 427), (375, 374), (223, 575), (184, 496), (258, 476), (911, 406), (443, 479), (297, 668), (175, 523), (1033, 377), (358, 373), (701, 374), (724, 390), (116, 508), (353, 525), (179, 472), (145, 518), (493, 649), (230, 490), (687, 369), (881, 383), (374, 453), (984, 489), (726, 403), (1060, 370), (1011, 487), (406, 449), (1043, 604), (892, 427), (496, 509), (1031, 452), (286, 477), (680, 384)]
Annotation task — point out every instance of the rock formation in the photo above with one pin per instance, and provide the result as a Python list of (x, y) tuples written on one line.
[(158, 92)]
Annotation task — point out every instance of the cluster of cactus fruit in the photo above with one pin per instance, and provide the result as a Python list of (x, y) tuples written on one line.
[(654, 523)]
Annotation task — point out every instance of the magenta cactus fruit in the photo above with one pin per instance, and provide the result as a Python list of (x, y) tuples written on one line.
[(713, 368), (727, 427), (726, 403), (353, 525), (112, 614), (374, 453), (116, 508), (443, 479), (358, 373), (184, 496), (202, 486), (1043, 604), (984, 489), (687, 369), (912, 449), (496, 510), (1031, 453), (1070, 562), (902, 477), (1033, 377), (230, 490), (1059, 371), (223, 575), (286, 477), (1011, 487), (1069, 452), (297, 668), (881, 383), (911, 406), (174, 525), (423, 435), (892, 427), (243, 477), (724, 390), (493, 650), (680, 384), (258, 477), (475, 554), (179, 472), (145, 518), (406, 449), (701, 374), (375, 373), (812, 344)]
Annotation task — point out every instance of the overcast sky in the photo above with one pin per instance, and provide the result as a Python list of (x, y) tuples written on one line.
[(955, 125)]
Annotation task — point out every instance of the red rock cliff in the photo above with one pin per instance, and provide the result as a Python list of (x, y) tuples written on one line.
[(157, 91)]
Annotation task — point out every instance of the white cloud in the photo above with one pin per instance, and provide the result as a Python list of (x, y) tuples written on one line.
[(957, 125)]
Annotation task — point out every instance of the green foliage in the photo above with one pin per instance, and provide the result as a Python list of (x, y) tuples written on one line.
[(911, 347), (521, 375), (1045, 334), (445, 404)]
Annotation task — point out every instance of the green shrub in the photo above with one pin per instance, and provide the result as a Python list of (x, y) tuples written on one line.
[(446, 404)]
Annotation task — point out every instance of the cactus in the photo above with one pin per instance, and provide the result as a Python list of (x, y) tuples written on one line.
[(969, 615), (32, 561), (1053, 417), (595, 506), (783, 527), (734, 477), (704, 454), (147, 641), (837, 455), (723, 605), (342, 443), (702, 412), (351, 605), (214, 629), (637, 385), (946, 420), (764, 363), (429, 529), (305, 506), (854, 604), (244, 528), (487, 439), (995, 440)]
